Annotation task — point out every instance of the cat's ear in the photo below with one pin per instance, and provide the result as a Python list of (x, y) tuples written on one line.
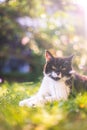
[(48, 55), (70, 58)]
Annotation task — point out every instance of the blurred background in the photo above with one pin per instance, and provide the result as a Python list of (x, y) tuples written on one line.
[(28, 27)]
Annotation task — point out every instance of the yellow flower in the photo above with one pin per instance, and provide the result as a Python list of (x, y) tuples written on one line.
[(82, 105)]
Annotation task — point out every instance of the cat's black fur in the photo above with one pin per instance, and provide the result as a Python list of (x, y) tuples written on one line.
[(63, 67), (79, 82)]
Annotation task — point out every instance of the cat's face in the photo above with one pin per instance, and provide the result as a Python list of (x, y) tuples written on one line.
[(57, 68)]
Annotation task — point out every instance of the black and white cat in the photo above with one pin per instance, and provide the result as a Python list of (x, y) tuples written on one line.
[(57, 82), (55, 85)]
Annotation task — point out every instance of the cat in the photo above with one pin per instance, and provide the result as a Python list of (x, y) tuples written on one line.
[(63, 67), (59, 78)]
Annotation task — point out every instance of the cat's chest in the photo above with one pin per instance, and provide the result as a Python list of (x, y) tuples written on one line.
[(61, 82), (61, 86), (57, 88)]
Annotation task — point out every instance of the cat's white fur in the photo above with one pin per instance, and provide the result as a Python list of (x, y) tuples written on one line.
[(49, 91)]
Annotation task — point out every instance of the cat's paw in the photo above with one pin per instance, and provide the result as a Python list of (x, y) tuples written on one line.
[(33, 101), (27, 102), (23, 102), (31, 104)]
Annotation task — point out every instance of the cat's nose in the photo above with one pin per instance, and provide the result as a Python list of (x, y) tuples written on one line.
[(59, 75)]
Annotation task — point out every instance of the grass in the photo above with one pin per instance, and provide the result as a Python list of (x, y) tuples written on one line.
[(64, 115)]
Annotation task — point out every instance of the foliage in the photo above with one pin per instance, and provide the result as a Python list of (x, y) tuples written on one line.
[(63, 115)]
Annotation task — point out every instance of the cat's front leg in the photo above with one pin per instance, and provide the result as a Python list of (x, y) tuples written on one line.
[(33, 101), (28, 102), (37, 101), (39, 98)]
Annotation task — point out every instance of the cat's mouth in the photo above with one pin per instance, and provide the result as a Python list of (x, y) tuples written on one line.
[(55, 76)]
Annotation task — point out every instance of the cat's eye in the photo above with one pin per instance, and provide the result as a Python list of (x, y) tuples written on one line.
[(53, 67), (63, 68)]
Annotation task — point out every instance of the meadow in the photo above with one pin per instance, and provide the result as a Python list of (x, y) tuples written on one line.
[(63, 115)]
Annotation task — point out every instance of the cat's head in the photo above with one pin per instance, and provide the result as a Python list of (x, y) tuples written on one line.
[(56, 67)]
